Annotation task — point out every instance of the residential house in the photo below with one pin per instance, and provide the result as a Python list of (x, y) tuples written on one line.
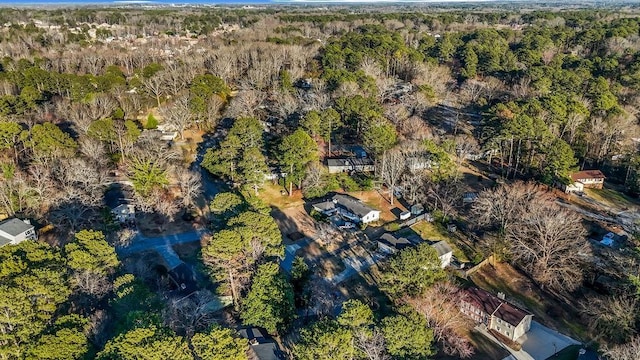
[(495, 313), (445, 253), (593, 179), (348, 207), (350, 164), (14, 231), (124, 213), (262, 346), (390, 244)]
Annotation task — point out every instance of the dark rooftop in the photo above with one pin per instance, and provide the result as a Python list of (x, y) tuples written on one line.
[(349, 162), (14, 227), (491, 304), (261, 344), (392, 241)]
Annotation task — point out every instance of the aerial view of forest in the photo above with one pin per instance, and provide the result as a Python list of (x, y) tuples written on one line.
[(348, 182)]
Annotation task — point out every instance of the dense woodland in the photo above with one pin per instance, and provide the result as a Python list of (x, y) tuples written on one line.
[(535, 94)]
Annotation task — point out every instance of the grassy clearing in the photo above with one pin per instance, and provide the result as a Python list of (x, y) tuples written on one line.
[(612, 198), (276, 195), (434, 232)]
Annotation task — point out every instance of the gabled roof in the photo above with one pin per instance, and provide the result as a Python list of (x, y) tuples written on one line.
[(352, 204), (14, 227), (392, 241), (442, 248), (493, 305), (587, 174), (263, 346)]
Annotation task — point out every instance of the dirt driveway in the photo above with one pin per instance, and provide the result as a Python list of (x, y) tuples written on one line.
[(294, 220)]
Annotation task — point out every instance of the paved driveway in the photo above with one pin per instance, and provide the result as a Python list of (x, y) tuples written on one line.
[(540, 340), (539, 343)]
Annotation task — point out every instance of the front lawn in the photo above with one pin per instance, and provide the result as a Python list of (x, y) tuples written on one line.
[(431, 231)]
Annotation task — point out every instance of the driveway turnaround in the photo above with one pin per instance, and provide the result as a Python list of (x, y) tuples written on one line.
[(541, 342)]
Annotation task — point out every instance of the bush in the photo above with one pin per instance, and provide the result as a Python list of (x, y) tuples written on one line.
[(394, 226), (318, 216), (347, 182), (151, 123)]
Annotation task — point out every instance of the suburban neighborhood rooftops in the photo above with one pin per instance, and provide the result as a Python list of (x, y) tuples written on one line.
[(14, 227), (442, 248), (587, 174), (493, 305)]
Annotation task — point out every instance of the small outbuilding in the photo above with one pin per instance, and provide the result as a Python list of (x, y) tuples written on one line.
[(124, 213)]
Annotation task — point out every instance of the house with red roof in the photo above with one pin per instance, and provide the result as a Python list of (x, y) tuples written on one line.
[(495, 313), (590, 179)]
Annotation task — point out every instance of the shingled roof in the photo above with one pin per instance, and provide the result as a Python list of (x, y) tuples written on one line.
[(587, 174), (14, 227), (493, 305)]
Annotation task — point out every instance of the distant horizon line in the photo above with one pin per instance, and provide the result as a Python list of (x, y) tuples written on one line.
[(185, 3)]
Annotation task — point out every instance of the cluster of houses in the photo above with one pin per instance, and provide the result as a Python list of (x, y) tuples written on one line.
[(494, 312)]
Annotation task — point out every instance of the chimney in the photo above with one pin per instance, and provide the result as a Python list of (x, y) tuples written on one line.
[(501, 295)]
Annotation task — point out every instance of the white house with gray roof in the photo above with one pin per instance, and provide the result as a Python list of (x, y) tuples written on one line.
[(348, 207), (14, 231)]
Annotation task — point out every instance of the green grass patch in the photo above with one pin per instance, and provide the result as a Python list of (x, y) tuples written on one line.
[(435, 232), (612, 198)]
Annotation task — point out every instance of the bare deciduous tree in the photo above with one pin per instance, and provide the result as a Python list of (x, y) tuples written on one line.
[(371, 344), (190, 183), (614, 317), (191, 313), (391, 167), (155, 86), (440, 307), (550, 243), (178, 115), (628, 351)]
